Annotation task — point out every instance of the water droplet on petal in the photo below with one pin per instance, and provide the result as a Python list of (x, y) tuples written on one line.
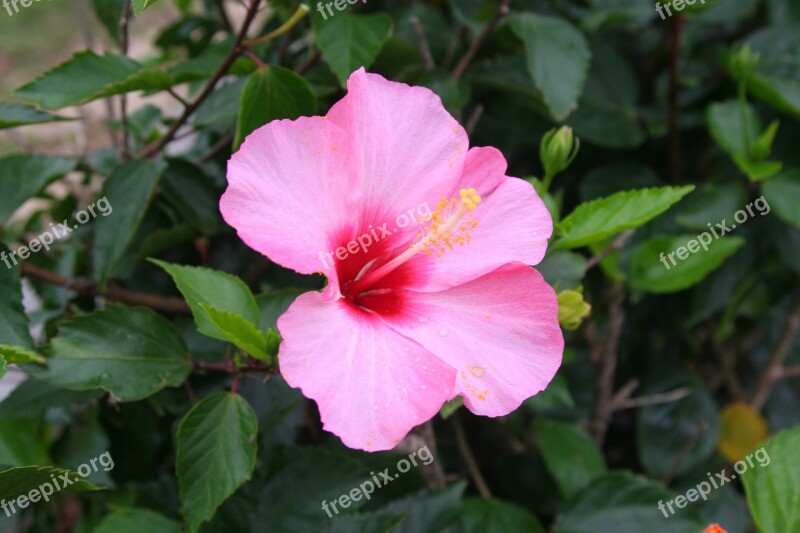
[(443, 332), (423, 320)]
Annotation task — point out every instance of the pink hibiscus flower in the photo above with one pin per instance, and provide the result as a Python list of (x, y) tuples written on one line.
[(432, 309)]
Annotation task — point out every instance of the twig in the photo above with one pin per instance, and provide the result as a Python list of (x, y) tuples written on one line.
[(476, 115), (727, 365), (124, 36), (224, 141), (618, 243), (178, 97), (655, 399), (433, 473), (153, 149), (422, 43), (160, 303), (229, 367), (791, 372), (310, 62), (605, 357), (678, 23), (775, 370), (254, 58), (624, 394), (469, 458), (301, 11), (461, 68)]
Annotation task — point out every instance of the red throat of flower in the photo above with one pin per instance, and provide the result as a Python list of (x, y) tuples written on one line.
[(449, 226)]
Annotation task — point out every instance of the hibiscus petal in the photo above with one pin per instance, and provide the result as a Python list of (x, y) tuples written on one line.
[(291, 187), (409, 149), (500, 332), (513, 225), (371, 384)]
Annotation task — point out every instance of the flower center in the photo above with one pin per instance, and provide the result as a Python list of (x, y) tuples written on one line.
[(450, 225)]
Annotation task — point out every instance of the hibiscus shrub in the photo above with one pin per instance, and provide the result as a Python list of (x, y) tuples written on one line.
[(480, 265)]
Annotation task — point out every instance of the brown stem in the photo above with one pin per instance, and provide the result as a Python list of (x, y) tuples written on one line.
[(775, 370), (678, 23), (422, 43), (461, 68), (153, 149), (472, 122), (228, 367), (160, 303), (310, 62), (604, 355), (124, 26), (433, 473), (618, 243), (469, 458)]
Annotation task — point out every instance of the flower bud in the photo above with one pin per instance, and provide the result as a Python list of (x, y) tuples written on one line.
[(572, 309), (559, 147)]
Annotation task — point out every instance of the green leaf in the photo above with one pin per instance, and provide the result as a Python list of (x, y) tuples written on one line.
[(215, 289), (13, 115), (273, 304), (129, 191), (773, 484), (141, 5), (238, 330), (3, 368), (22, 442), (17, 344), (31, 398), (216, 454), (624, 503), (380, 522), (130, 352), (776, 79), (136, 521), (783, 194), (449, 408), (25, 175), (571, 456), (562, 269), (429, 511), (193, 194), (87, 76), (662, 428), (734, 128), (349, 42), (272, 93), (605, 217), (19, 481), (607, 115), (647, 270), (494, 516), (16, 355), (109, 13), (300, 480), (737, 129), (558, 59), (222, 106)]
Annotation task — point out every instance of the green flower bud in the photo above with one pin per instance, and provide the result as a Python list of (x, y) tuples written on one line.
[(559, 147), (572, 309)]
